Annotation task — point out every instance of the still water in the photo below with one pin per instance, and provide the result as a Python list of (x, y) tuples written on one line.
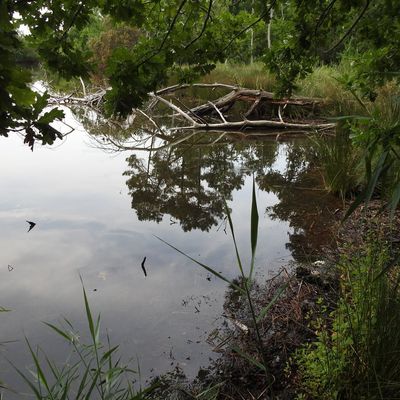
[(96, 217)]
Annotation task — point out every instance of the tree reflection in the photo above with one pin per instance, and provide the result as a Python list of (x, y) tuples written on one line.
[(190, 182), (302, 202)]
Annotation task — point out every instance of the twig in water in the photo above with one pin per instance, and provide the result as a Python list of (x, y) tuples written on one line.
[(143, 268)]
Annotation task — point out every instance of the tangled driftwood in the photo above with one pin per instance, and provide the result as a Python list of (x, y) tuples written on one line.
[(261, 114)]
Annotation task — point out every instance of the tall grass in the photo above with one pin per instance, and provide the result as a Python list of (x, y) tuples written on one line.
[(325, 82), (339, 161), (92, 371), (356, 354), (252, 76)]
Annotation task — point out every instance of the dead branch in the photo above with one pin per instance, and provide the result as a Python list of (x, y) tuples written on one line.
[(256, 97)]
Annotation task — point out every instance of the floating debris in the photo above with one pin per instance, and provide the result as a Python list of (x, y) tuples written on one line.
[(31, 225), (143, 268)]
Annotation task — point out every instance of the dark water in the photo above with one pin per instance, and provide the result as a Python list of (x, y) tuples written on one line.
[(96, 216)]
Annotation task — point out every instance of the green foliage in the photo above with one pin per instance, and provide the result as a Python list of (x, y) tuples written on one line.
[(104, 44), (93, 370), (190, 38), (308, 34), (339, 161), (378, 135), (355, 355)]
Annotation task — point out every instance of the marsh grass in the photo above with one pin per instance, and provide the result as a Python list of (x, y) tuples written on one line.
[(356, 354), (251, 76), (377, 135), (339, 161), (92, 371), (325, 82)]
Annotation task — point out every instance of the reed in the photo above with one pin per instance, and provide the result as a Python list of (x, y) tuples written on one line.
[(93, 370), (244, 286)]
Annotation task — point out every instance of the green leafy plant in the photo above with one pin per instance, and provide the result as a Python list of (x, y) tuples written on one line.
[(378, 135), (91, 371), (355, 355)]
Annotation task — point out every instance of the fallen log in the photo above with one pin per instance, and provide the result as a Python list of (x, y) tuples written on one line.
[(238, 125), (258, 98)]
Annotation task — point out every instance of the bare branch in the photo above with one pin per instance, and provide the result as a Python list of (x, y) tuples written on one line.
[(177, 109), (219, 112), (194, 40), (341, 40)]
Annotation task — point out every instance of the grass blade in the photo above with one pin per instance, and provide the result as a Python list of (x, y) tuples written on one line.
[(40, 374), (366, 194), (249, 358), (28, 382), (234, 238), (265, 310), (107, 356), (254, 229), (394, 201), (209, 269), (89, 315), (377, 172), (93, 385), (82, 384), (59, 331)]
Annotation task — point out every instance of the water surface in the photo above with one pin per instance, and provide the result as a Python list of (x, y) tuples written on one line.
[(97, 215)]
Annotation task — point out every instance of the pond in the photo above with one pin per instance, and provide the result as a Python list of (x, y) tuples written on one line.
[(97, 216)]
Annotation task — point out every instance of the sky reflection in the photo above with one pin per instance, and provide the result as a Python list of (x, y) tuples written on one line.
[(86, 227)]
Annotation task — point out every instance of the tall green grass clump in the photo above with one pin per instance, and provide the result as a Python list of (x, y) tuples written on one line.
[(356, 353), (377, 134), (325, 82), (92, 371), (339, 161)]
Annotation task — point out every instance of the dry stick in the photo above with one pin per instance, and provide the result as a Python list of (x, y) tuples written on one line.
[(218, 111), (190, 111), (176, 87), (253, 107), (255, 124), (83, 86), (219, 138), (177, 109), (151, 120)]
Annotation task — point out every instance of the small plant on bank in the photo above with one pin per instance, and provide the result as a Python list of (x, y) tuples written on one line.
[(356, 353), (93, 371)]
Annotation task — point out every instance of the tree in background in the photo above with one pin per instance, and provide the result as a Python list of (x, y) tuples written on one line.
[(188, 37)]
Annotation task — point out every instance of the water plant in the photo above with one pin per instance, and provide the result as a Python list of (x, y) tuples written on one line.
[(243, 286), (92, 370), (339, 161)]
